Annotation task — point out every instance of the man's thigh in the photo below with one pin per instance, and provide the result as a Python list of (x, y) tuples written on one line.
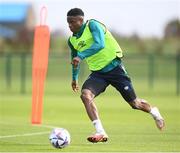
[(95, 83), (122, 82)]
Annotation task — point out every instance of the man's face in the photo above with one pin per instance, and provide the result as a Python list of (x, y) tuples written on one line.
[(75, 23)]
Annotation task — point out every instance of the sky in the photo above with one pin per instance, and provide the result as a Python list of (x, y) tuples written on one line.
[(146, 18)]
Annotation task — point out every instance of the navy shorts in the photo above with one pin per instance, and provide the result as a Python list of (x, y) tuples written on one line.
[(97, 82)]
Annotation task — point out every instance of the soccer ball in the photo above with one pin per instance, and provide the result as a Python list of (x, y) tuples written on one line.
[(59, 138)]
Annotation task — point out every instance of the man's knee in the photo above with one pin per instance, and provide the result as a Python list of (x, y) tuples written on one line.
[(137, 103), (86, 95)]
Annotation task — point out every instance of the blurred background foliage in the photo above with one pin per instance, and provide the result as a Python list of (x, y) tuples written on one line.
[(151, 58), (169, 44)]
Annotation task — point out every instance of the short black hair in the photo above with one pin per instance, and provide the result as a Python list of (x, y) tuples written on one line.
[(75, 12)]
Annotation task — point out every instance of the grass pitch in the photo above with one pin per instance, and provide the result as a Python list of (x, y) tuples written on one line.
[(129, 130)]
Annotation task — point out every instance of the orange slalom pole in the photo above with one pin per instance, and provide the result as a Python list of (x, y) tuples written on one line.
[(39, 67)]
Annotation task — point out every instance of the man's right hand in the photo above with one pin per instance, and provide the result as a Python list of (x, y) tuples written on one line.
[(76, 61), (75, 86)]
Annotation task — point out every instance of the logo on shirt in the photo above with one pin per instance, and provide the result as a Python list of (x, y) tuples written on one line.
[(81, 44)]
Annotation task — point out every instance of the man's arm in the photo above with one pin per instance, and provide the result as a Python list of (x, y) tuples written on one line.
[(75, 70), (99, 40)]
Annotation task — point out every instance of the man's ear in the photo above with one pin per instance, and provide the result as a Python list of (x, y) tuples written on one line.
[(81, 19)]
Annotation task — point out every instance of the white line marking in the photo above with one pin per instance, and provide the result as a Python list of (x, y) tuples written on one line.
[(28, 134), (23, 135)]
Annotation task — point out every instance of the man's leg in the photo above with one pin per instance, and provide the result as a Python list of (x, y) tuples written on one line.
[(88, 100), (91, 88), (121, 81), (141, 104), (87, 97)]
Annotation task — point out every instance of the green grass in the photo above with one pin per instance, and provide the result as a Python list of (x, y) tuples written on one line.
[(129, 130)]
